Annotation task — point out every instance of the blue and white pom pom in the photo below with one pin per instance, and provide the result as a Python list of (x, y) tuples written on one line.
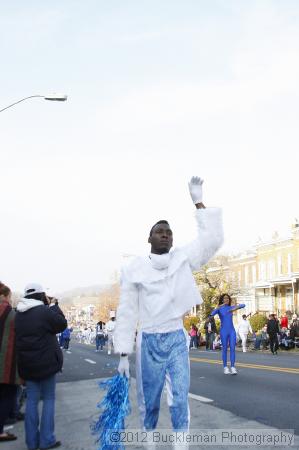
[(115, 406)]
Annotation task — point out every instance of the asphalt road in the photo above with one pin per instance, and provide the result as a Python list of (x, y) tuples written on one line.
[(266, 388)]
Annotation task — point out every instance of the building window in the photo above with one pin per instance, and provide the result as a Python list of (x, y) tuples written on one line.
[(279, 265), (262, 271), (246, 278), (290, 263), (253, 274), (271, 268)]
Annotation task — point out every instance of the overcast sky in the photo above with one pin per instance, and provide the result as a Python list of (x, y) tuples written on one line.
[(158, 91)]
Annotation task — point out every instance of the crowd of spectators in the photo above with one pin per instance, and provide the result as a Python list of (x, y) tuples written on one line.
[(276, 334), (280, 333)]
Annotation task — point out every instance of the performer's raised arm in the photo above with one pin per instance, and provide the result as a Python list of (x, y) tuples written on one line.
[(126, 317), (210, 229)]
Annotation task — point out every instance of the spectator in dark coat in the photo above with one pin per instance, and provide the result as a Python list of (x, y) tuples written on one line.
[(294, 329), (273, 330), (211, 330), (39, 358)]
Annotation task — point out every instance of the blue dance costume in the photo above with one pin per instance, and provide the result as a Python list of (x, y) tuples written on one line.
[(227, 331)]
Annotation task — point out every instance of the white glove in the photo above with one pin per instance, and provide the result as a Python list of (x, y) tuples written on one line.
[(124, 366), (195, 188)]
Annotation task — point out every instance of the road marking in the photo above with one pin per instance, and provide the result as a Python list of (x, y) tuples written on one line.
[(207, 351), (90, 361), (200, 398), (251, 366)]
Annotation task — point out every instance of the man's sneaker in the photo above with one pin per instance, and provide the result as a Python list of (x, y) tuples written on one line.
[(233, 371), (109, 353), (226, 371)]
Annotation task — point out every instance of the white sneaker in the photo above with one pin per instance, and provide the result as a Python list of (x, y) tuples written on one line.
[(244, 351), (226, 371), (109, 353), (233, 371)]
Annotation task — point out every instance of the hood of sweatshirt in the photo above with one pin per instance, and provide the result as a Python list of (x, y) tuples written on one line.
[(28, 303)]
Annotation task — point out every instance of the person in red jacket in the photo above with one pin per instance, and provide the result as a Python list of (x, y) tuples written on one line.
[(284, 321), (9, 378)]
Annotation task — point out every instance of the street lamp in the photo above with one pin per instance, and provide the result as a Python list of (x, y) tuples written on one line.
[(52, 97)]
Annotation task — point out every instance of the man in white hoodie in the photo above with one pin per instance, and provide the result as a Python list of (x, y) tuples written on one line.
[(243, 329), (156, 291)]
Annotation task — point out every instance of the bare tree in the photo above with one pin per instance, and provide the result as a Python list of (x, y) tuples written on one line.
[(213, 281), (108, 301)]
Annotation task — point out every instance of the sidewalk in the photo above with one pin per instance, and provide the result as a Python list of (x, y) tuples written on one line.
[(76, 409)]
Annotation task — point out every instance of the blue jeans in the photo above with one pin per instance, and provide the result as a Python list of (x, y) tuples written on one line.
[(100, 342), (193, 342), (40, 436), (210, 337)]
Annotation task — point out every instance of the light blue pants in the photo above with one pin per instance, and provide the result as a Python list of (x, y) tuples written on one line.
[(163, 357)]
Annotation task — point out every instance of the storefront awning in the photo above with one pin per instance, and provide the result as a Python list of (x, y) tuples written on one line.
[(264, 285)]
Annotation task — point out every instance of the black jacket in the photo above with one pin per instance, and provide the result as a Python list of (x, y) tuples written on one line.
[(213, 325), (272, 327), (38, 353), (294, 329)]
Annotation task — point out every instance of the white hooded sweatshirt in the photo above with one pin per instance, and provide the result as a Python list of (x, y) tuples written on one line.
[(27, 303), (157, 290)]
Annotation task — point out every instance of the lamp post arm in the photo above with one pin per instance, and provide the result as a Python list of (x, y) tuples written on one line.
[(19, 101)]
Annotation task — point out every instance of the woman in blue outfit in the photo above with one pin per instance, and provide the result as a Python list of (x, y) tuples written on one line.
[(227, 331)]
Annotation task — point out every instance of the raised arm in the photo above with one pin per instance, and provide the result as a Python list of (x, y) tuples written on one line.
[(126, 316), (210, 230), (195, 189), (234, 308), (56, 319)]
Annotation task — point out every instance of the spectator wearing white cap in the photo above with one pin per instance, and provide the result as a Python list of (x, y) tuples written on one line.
[(39, 358)]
